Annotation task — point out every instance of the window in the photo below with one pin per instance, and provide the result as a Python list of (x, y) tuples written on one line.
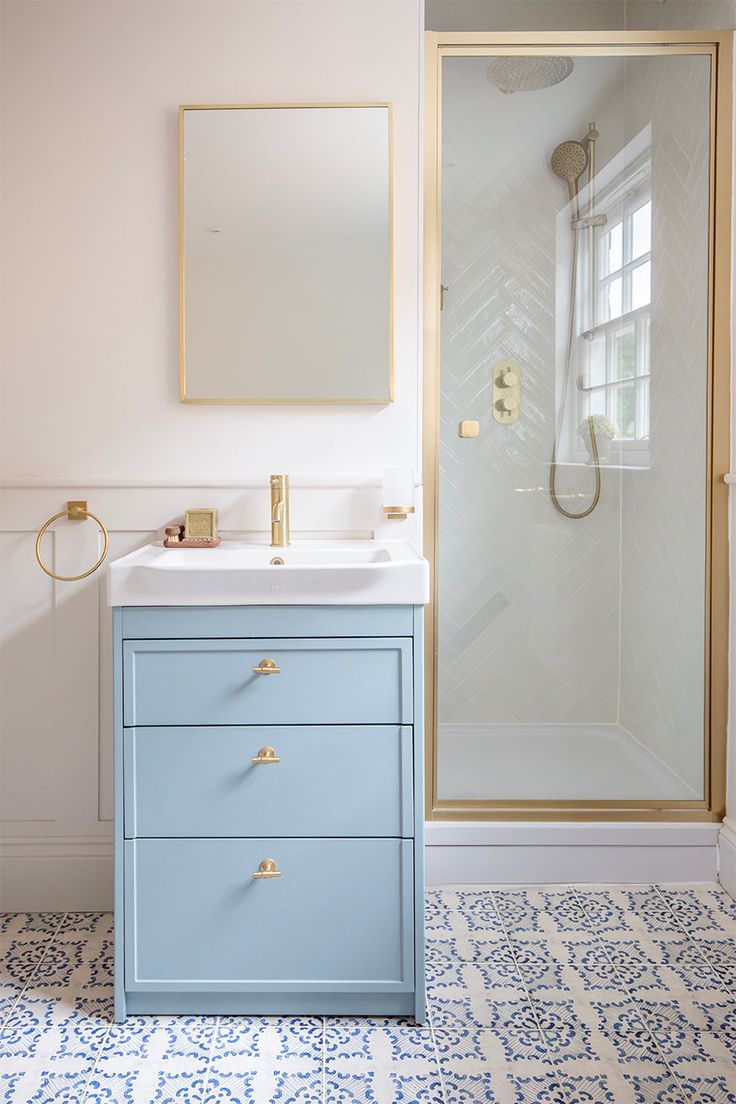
[(615, 352)]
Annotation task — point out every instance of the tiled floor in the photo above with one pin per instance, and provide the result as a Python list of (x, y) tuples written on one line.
[(559, 995)]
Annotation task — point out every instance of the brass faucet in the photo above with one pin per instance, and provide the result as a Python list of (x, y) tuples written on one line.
[(280, 536)]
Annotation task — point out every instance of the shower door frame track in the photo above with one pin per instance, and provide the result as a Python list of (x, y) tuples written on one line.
[(719, 46)]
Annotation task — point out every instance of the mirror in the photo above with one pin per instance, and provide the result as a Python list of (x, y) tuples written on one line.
[(286, 273)]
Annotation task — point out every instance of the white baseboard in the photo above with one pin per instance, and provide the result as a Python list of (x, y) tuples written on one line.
[(536, 853), (48, 874), (727, 856)]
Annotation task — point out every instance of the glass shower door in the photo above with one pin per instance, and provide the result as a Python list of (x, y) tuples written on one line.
[(572, 543)]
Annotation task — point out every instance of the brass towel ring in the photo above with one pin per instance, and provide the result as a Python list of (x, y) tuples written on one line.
[(75, 511)]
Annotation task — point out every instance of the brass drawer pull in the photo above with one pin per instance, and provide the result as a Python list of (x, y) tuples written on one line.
[(267, 667), (266, 869), (266, 755)]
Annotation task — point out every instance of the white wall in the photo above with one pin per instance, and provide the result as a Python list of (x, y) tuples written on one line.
[(90, 408), (90, 94)]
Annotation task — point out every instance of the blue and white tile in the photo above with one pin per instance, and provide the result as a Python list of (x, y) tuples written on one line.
[(20, 958), (519, 910), (25, 1029), (44, 1086), (269, 1037), (75, 923), (480, 1064), (632, 1002), (562, 912), (718, 909), (164, 1055), (175, 1088), (266, 1058), (651, 911), (382, 1060), (476, 912), (10, 1086), (718, 1086), (717, 1015), (538, 1088), (82, 1028), (605, 910)]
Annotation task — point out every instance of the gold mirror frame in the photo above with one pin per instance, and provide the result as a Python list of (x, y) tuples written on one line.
[(719, 46), (382, 401)]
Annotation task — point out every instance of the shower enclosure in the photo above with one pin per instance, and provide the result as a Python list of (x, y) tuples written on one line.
[(576, 424)]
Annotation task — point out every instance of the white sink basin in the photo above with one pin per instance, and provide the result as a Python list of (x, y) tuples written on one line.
[(346, 573)]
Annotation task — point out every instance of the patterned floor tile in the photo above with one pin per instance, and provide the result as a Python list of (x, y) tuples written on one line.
[(176, 1088), (546, 995), (517, 910), (348, 1038), (655, 1088), (27, 1024), (269, 1037), (383, 1060), (716, 1087), (52, 1087), (20, 958), (476, 911), (538, 1088), (476, 1050)]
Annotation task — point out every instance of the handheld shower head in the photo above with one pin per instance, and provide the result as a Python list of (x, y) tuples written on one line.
[(569, 161)]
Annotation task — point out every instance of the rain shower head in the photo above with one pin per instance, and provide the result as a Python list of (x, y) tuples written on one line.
[(527, 73), (569, 161)]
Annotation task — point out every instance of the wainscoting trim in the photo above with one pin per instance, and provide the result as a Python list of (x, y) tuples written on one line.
[(56, 874)]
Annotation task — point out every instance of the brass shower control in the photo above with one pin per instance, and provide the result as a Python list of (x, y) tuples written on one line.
[(506, 392)]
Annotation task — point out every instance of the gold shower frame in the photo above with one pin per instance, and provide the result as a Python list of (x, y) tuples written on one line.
[(718, 45)]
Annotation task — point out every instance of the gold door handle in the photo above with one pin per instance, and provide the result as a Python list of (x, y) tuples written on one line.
[(267, 667), (266, 755), (266, 869)]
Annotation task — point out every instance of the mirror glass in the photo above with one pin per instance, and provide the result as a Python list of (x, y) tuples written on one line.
[(286, 254)]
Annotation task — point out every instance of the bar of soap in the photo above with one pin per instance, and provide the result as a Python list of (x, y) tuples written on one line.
[(200, 525)]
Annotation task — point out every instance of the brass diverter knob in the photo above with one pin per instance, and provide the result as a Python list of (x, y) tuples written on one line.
[(506, 392), (267, 667), (267, 869), (266, 755)]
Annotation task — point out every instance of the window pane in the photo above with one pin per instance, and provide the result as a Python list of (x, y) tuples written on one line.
[(642, 427), (613, 249), (625, 410), (624, 354), (641, 231), (595, 373), (597, 402), (642, 366), (641, 285), (614, 303)]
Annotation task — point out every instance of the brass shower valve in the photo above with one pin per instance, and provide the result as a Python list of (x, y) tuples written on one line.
[(506, 397)]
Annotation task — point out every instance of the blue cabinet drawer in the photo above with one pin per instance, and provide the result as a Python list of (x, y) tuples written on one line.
[(332, 780), (320, 681), (338, 919)]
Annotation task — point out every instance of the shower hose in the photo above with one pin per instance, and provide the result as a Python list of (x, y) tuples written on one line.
[(565, 388)]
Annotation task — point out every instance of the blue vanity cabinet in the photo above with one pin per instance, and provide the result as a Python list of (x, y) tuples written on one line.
[(268, 819)]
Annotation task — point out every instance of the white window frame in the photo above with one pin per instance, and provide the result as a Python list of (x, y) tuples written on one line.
[(620, 203)]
